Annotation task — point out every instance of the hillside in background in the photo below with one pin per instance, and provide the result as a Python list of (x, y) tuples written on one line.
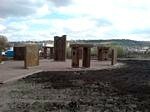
[(125, 48), (120, 42)]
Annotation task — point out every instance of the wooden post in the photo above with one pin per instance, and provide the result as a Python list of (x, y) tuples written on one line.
[(75, 57), (86, 57), (114, 57), (31, 56)]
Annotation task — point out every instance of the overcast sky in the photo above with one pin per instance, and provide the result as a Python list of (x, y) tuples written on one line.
[(79, 19)]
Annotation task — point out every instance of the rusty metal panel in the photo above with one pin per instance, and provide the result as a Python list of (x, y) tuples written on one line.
[(86, 57), (83, 50), (114, 57), (75, 57), (103, 53), (19, 53), (60, 48), (51, 52)]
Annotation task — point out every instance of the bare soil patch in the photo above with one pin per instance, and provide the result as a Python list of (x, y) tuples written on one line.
[(125, 89)]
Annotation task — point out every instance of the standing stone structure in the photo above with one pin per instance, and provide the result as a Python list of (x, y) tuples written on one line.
[(45, 52), (75, 56), (86, 56), (114, 57), (60, 48), (80, 53), (31, 55), (86, 52), (103, 53), (19, 52), (0, 59), (51, 52)]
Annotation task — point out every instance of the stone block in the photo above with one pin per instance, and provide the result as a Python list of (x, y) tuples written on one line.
[(31, 55)]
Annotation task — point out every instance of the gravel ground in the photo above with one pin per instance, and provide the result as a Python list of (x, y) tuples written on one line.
[(125, 89), (12, 70)]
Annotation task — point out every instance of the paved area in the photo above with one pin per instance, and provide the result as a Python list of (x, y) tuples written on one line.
[(12, 70)]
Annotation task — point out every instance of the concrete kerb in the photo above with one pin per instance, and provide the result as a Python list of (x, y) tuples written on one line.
[(20, 77), (16, 73)]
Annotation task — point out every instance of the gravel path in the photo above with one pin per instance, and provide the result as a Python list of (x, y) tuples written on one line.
[(12, 70)]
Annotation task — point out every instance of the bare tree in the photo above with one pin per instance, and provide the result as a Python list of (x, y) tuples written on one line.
[(3, 42)]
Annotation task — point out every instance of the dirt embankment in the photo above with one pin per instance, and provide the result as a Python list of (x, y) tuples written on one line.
[(124, 89)]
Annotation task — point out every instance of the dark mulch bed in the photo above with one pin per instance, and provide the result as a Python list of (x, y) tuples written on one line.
[(125, 89)]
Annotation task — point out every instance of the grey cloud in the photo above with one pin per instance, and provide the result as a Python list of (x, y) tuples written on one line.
[(18, 7), (59, 3), (11, 29)]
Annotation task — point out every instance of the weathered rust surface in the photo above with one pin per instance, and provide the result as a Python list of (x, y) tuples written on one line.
[(75, 57), (31, 55), (81, 45), (103, 53), (3, 58), (51, 52), (60, 48), (19, 53), (45, 52), (114, 57), (86, 57), (80, 53), (0, 59), (83, 50)]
